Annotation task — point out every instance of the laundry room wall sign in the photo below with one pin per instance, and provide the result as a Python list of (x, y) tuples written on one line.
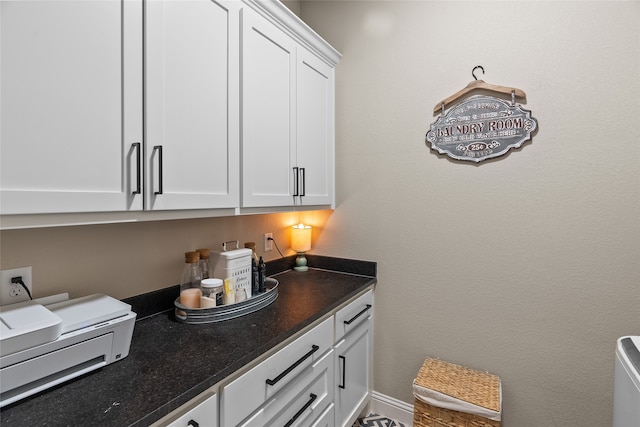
[(482, 126)]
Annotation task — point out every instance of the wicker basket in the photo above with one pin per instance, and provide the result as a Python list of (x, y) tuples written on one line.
[(462, 384)]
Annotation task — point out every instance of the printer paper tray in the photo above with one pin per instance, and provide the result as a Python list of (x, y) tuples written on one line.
[(31, 376)]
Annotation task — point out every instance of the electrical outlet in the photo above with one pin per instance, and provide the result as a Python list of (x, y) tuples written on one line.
[(11, 293), (268, 244)]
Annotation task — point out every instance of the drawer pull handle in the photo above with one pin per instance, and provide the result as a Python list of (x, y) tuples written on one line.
[(304, 182), (314, 348), (136, 146), (158, 148), (344, 368), (312, 397), (192, 423), (350, 321), (296, 182)]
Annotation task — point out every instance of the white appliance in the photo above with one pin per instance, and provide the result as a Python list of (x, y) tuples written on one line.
[(45, 345), (626, 393)]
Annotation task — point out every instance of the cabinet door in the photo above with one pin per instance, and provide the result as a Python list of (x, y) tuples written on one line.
[(315, 129), (192, 146), (353, 374), (268, 116), (71, 106)]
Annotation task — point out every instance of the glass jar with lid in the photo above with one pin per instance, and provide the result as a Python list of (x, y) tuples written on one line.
[(212, 292)]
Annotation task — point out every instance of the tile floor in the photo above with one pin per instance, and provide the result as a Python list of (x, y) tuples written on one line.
[(375, 420)]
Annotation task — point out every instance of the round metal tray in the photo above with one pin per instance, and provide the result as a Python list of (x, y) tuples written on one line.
[(230, 311)]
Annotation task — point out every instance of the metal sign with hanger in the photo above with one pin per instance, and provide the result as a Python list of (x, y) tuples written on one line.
[(481, 127)]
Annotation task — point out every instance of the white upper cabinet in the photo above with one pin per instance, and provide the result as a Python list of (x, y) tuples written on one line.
[(191, 104), (315, 130), (268, 114), (70, 106), (112, 108), (287, 118)]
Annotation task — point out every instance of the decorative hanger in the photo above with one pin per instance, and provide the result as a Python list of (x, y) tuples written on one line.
[(479, 84)]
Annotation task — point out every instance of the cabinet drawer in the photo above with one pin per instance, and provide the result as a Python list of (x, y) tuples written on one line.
[(301, 401), (326, 419), (204, 414), (348, 318), (245, 394)]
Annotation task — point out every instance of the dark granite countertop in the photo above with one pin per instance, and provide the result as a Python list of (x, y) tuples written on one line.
[(170, 363)]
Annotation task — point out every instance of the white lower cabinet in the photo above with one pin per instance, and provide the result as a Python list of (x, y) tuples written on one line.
[(204, 414), (301, 401), (326, 419), (353, 359), (248, 399), (321, 379), (352, 368)]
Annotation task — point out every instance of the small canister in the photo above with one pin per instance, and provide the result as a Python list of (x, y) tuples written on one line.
[(234, 265), (212, 293)]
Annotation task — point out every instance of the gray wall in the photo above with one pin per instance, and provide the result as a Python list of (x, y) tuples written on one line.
[(526, 266), (124, 260)]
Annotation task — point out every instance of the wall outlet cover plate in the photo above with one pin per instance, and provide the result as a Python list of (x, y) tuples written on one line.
[(11, 293)]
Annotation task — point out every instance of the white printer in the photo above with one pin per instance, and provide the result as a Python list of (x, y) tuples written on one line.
[(42, 345)]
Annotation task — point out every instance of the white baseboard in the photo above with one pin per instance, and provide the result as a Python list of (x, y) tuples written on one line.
[(392, 408)]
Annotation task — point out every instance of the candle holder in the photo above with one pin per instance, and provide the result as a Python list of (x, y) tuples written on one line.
[(301, 243)]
